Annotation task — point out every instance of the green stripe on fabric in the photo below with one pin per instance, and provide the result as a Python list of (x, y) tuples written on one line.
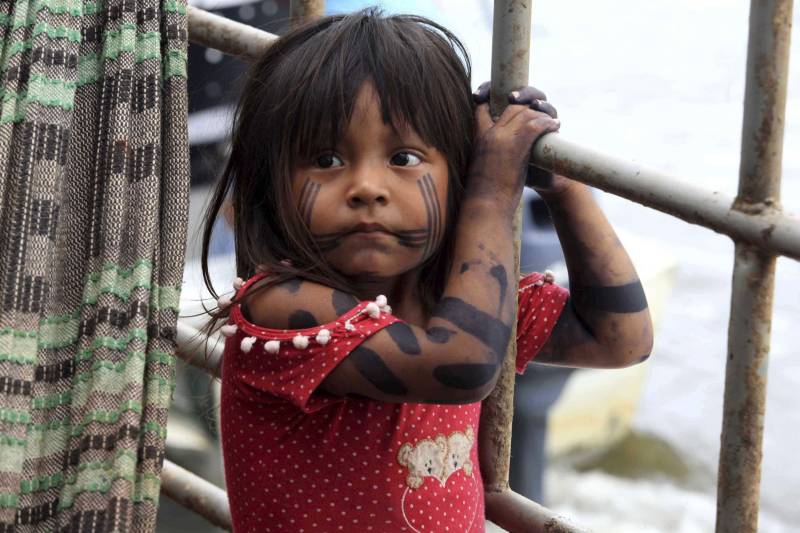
[(166, 297), (46, 482), (18, 347), (14, 416), (9, 499), (48, 92), (147, 486), (174, 64), (112, 343), (118, 282), (44, 443), (11, 457), (25, 12)]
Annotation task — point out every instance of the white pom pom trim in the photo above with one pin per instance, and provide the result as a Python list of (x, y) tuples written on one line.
[(247, 344), (323, 337), (381, 301), (229, 330), (300, 342), (539, 282), (373, 310), (237, 283), (348, 326), (387, 309), (272, 346), (224, 301), (549, 277)]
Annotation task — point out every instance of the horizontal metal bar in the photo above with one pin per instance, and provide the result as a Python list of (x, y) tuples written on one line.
[(762, 225), (226, 35), (517, 514), (199, 351), (196, 494)]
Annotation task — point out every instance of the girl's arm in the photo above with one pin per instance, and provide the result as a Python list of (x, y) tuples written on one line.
[(606, 322), (455, 357)]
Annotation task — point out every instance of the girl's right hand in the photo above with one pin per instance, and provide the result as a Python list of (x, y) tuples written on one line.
[(502, 146)]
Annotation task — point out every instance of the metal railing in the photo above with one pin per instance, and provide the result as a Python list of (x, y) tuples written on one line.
[(753, 219)]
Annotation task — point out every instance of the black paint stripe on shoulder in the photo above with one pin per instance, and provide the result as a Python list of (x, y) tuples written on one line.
[(302, 319), (342, 302), (628, 298), (465, 376), (374, 370), (483, 326), (404, 338)]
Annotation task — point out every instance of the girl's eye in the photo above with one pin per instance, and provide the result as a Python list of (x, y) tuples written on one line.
[(329, 161), (405, 159)]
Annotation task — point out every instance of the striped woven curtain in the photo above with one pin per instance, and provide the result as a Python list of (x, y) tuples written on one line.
[(94, 179)]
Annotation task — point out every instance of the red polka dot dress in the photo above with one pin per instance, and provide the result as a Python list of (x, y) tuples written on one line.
[(300, 460)]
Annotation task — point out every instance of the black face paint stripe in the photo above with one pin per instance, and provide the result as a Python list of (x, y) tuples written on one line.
[(629, 298), (342, 302), (412, 238), (439, 335), (429, 212), (302, 319), (465, 376), (483, 326), (311, 201), (308, 195), (498, 272), (437, 216), (370, 365), (404, 338)]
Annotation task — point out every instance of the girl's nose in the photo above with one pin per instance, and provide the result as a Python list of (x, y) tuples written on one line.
[(368, 187)]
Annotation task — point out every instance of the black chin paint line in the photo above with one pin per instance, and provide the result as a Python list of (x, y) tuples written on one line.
[(439, 335), (466, 376), (498, 272), (302, 319), (628, 298), (433, 211), (308, 195), (415, 238), (371, 366), (404, 338), (483, 326), (329, 241), (342, 302)]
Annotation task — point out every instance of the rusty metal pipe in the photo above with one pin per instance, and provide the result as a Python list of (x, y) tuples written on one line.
[(754, 270), (517, 514), (760, 224), (226, 35), (196, 494), (302, 11), (511, 36)]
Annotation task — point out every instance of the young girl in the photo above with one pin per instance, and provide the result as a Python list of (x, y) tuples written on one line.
[(373, 204)]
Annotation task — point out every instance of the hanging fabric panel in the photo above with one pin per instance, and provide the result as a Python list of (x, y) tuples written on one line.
[(94, 179)]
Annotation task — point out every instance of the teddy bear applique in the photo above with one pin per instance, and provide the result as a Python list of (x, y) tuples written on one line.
[(438, 457)]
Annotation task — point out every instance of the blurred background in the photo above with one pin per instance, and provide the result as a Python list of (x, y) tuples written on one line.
[(657, 82)]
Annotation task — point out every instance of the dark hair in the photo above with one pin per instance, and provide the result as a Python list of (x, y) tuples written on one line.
[(298, 99)]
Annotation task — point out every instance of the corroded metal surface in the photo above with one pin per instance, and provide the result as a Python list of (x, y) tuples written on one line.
[(196, 494), (517, 514), (302, 11), (510, 57), (754, 270), (225, 35), (760, 224)]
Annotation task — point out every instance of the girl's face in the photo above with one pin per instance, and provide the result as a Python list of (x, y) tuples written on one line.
[(375, 202)]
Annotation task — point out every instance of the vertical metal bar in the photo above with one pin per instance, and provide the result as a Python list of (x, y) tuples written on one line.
[(511, 35), (302, 11), (754, 270)]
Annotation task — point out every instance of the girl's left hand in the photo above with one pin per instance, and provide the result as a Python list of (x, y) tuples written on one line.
[(541, 180)]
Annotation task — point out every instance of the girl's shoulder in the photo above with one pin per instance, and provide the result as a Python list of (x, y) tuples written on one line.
[(293, 304)]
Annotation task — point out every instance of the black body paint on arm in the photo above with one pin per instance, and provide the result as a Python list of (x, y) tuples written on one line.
[(302, 319), (433, 210), (439, 335), (404, 338), (342, 302), (292, 285), (483, 326), (498, 272), (629, 298), (465, 376), (371, 366)]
